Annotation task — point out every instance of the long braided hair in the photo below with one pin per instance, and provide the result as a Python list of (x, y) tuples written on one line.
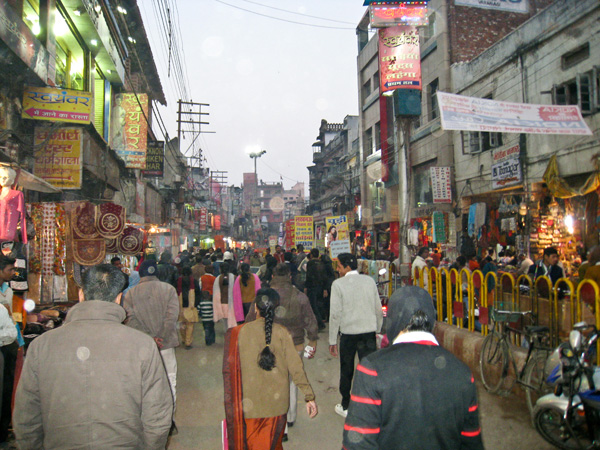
[(266, 301), (245, 273)]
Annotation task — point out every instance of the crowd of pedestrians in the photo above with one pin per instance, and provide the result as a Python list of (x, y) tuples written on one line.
[(108, 376)]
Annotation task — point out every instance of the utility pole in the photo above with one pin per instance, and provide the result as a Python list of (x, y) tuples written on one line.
[(191, 113)]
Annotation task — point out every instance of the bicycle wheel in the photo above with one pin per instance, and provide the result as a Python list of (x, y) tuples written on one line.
[(534, 380), (550, 423), (493, 362)]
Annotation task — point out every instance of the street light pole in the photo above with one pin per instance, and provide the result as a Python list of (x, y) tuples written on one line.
[(255, 156)]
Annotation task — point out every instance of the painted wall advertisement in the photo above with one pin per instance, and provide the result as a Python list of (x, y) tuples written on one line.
[(155, 159), (129, 129), (459, 112), (399, 59), (506, 167), (336, 229), (304, 231), (57, 105), (518, 6), (58, 158), (441, 186)]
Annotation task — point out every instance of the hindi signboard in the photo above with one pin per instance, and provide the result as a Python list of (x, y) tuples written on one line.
[(304, 231), (336, 229), (58, 158), (203, 218), (290, 233), (399, 59), (441, 185), (57, 105), (479, 114), (506, 167), (341, 246), (155, 159), (395, 13), (517, 6), (129, 129)]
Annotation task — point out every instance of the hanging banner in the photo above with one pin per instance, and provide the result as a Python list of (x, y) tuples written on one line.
[(341, 246), (58, 157), (398, 13), (506, 167), (399, 59), (439, 227), (304, 231), (155, 159), (290, 233), (336, 228), (517, 6), (129, 129), (57, 105), (479, 114), (441, 185), (203, 218)]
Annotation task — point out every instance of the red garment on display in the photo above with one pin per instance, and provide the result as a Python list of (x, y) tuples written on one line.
[(12, 212)]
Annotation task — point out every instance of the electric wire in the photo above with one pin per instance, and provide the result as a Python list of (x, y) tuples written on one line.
[(297, 13), (283, 20)]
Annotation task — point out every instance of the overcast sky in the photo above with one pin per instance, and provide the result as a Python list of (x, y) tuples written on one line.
[(268, 82)]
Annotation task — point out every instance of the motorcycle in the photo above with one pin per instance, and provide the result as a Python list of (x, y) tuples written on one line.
[(569, 418)]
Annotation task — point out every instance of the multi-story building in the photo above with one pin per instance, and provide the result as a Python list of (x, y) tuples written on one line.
[(264, 207), (541, 189), (400, 141), (294, 201), (330, 176)]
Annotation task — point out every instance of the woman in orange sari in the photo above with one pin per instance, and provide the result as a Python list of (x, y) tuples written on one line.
[(259, 354)]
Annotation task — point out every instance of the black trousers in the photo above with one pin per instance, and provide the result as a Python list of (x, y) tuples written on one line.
[(315, 297), (10, 363), (351, 344)]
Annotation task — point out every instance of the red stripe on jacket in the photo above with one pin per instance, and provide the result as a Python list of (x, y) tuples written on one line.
[(363, 369), (366, 400), (361, 430), (471, 433)]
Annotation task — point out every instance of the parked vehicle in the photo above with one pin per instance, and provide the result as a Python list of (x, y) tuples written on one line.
[(570, 417)]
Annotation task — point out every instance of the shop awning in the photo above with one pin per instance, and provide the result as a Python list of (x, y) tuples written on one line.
[(559, 187), (31, 182)]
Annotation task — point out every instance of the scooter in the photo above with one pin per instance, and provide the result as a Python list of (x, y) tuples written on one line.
[(569, 418)]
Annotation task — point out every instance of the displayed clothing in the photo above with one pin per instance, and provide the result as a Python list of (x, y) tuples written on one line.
[(12, 213), (110, 220)]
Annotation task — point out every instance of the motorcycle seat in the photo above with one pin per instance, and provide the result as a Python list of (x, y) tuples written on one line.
[(537, 330)]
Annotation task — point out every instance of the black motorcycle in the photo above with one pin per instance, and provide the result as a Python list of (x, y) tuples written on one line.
[(570, 417)]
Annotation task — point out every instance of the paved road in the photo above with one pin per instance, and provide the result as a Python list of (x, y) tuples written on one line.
[(505, 421)]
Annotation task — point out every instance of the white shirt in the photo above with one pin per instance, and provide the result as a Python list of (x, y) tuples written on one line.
[(8, 330)]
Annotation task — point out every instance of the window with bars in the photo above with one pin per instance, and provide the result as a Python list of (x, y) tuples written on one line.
[(582, 91)]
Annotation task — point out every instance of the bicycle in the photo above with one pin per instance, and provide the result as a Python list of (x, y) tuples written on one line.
[(496, 356)]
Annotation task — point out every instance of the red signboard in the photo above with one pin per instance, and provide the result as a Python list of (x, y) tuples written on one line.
[(217, 220), (203, 218), (399, 59), (398, 13), (290, 233)]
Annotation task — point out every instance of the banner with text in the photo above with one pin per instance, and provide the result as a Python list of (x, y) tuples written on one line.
[(129, 129), (155, 159), (304, 231), (341, 246), (391, 14), (441, 185), (506, 167), (203, 218), (479, 114), (399, 59), (58, 158), (336, 229), (57, 105), (517, 6), (290, 233)]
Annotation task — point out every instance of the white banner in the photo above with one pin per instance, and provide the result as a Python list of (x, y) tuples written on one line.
[(341, 246), (441, 185), (519, 6), (478, 114), (506, 167)]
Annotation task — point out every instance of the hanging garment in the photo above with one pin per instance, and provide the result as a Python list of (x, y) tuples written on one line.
[(131, 242), (12, 212), (110, 220)]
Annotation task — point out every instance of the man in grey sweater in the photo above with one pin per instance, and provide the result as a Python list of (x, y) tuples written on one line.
[(355, 314)]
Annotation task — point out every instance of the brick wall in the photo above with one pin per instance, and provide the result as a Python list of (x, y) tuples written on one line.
[(472, 30)]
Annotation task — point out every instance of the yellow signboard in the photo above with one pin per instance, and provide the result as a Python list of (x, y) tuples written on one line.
[(304, 231), (336, 228), (57, 105), (58, 157)]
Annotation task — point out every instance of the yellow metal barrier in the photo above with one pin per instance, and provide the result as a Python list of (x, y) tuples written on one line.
[(544, 299)]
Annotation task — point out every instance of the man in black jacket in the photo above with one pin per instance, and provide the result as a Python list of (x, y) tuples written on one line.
[(314, 286), (413, 395)]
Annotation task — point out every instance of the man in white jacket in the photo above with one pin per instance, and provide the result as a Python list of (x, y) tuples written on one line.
[(355, 314)]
